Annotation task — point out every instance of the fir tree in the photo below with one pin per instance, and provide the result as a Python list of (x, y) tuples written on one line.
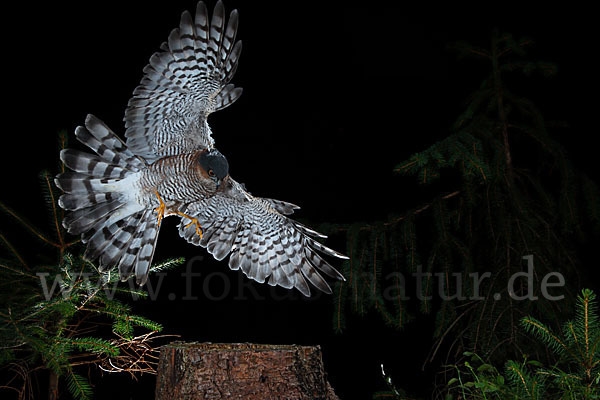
[(575, 375), (507, 198), (53, 306)]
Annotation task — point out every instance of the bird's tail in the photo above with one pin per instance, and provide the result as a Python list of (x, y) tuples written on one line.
[(100, 200)]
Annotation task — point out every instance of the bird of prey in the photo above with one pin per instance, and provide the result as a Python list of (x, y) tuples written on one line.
[(169, 166)]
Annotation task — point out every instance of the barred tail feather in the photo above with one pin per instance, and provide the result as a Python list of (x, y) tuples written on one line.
[(117, 234), (138, 255), (79, 221), (79, 201), (98, 198), (77, 184), (92, 165), (103, 141)]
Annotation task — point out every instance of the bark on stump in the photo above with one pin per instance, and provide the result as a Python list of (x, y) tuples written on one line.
[(193, 371)]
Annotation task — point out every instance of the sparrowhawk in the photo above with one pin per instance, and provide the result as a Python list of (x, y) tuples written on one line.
[(169, 165)]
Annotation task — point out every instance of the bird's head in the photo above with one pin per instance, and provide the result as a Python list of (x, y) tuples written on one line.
[(214, 166)]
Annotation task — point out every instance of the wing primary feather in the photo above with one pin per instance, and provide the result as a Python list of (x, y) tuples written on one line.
[(307, 231), (324, 249), (321, 264), (300, 283), (313, 277)]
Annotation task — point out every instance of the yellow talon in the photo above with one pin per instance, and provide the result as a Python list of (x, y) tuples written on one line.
[(160, 210), (160, 214), (194, 221)]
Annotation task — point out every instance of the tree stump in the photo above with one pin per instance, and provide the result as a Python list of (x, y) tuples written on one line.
[(193, 371)]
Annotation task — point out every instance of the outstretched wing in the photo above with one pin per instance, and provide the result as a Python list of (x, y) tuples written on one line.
[(183, 84), (261, 241)]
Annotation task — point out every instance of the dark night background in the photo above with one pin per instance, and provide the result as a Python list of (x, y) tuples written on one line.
[(334, 97)]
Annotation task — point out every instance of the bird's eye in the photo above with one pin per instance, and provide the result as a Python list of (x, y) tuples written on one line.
[(211, 172)]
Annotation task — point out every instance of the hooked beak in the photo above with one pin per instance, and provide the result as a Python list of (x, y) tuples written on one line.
[(217, 181)]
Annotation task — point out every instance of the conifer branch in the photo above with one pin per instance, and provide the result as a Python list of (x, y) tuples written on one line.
[(54, 326), (14, 251), (55, 212), (28, 226), (500, 104)]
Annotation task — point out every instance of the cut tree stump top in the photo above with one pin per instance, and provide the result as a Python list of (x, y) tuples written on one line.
[(193, 371)]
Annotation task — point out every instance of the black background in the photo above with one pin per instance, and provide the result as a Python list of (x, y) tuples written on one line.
[(334, 96)]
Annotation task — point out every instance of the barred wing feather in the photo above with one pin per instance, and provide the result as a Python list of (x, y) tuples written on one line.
[(183, 83), (261, 241)]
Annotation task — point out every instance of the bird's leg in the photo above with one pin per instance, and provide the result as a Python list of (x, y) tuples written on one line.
[(194, 221), (160, 210)]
